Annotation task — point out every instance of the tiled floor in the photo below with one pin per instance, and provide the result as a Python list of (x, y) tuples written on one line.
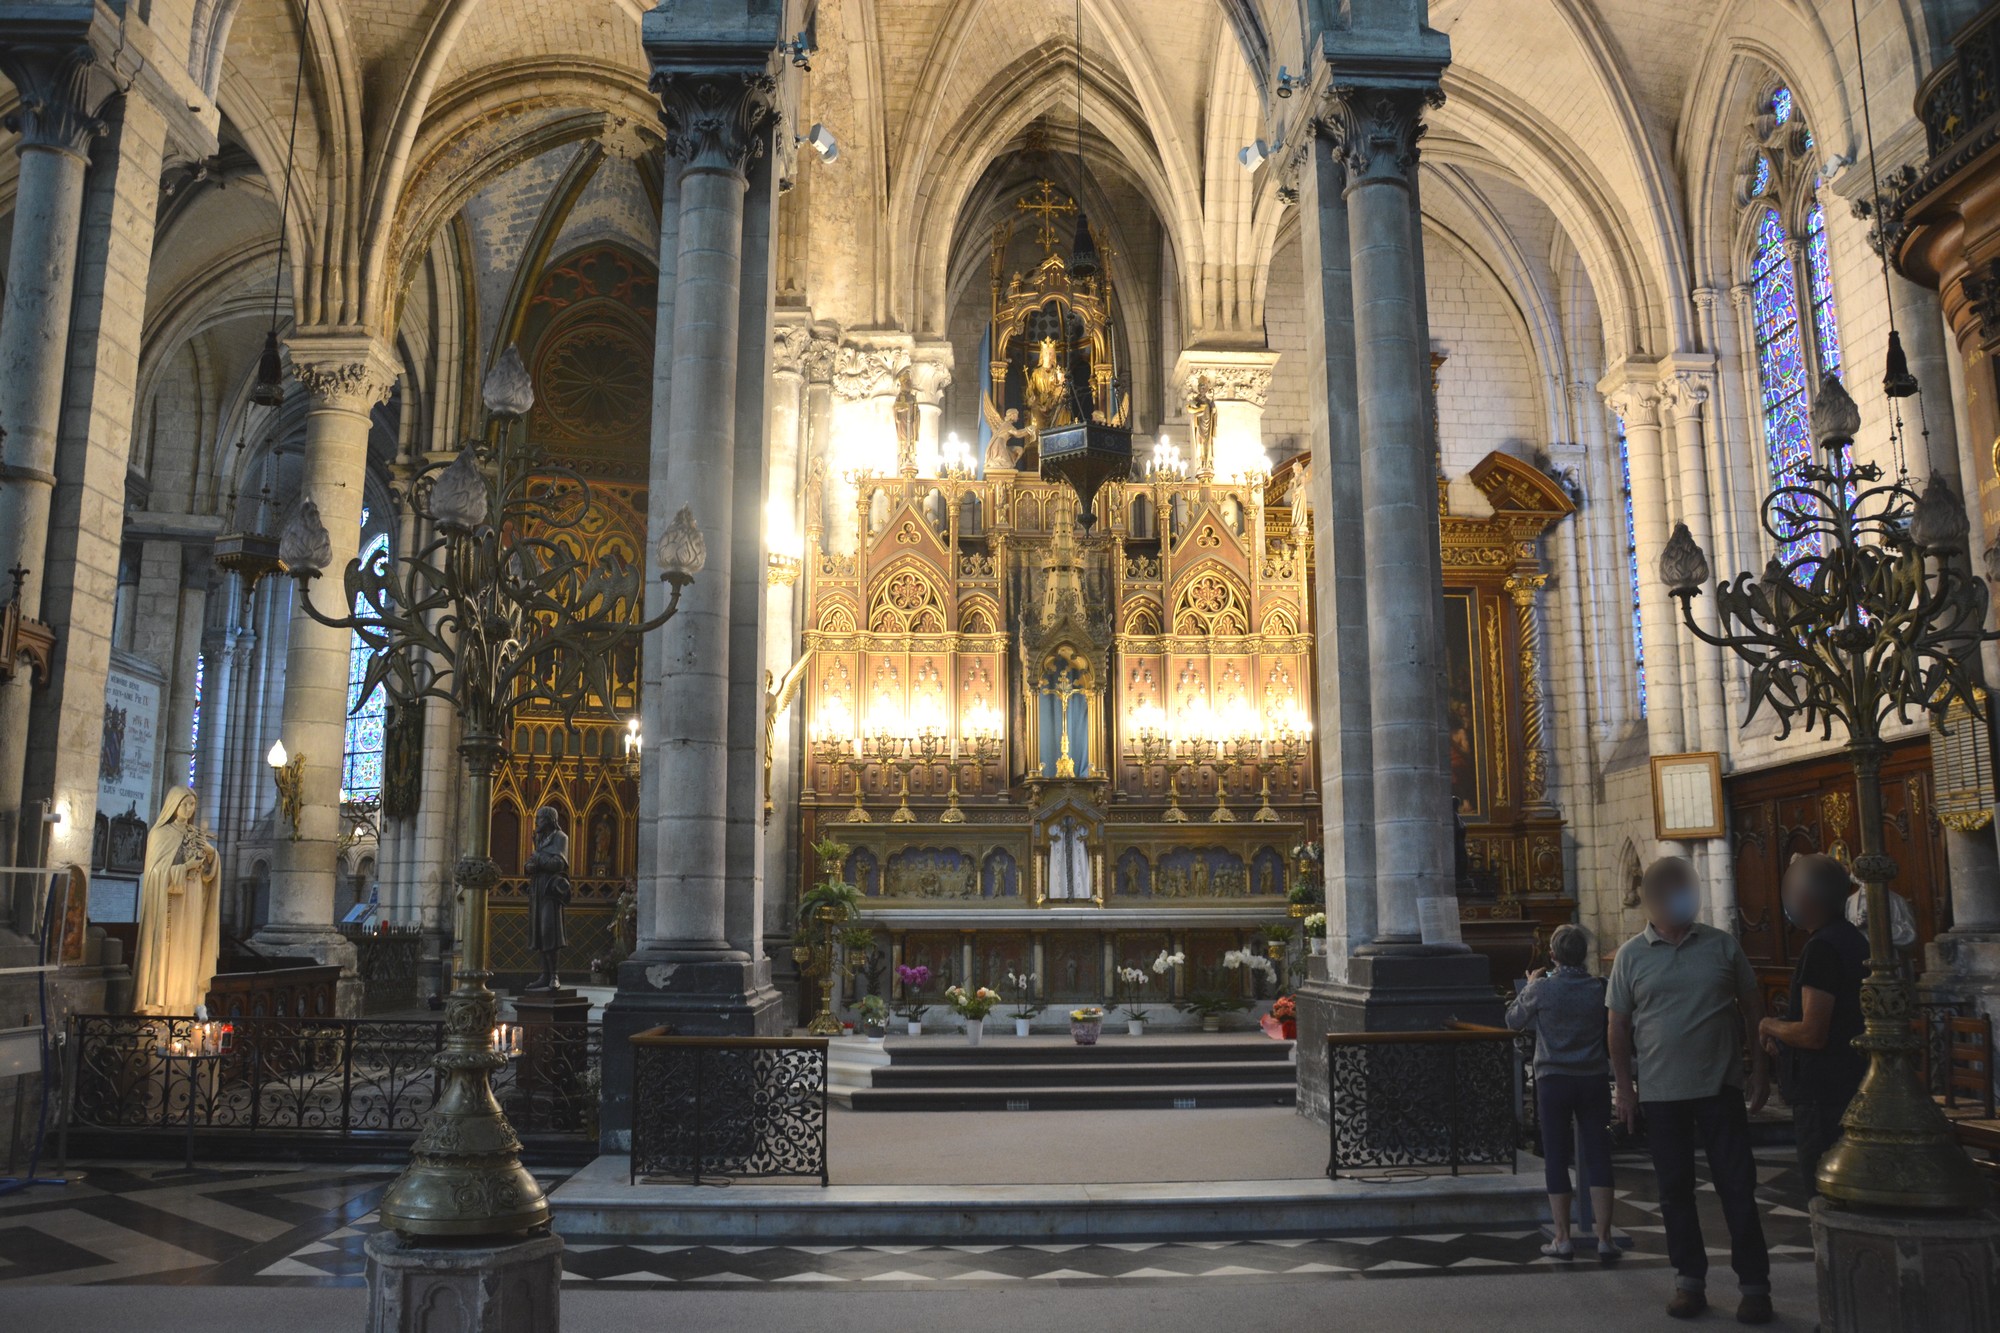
[(306, 1227)]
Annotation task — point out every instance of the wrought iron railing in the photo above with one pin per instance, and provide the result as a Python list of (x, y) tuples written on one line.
[(1409, 1099), (715, 1108), (1963, 93), (286, 1084)]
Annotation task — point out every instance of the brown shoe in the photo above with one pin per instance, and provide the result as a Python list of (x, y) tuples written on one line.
[(1687, 1304), (1754, 1309)]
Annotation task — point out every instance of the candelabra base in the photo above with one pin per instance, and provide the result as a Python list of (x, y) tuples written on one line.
[(491, 1286), (903, 815), (952, 815), (1175, 815), (859, 816), (1899, 1272), (1223, 815)]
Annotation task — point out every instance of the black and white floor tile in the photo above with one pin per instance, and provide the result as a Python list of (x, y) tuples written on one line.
[(307, 1226)]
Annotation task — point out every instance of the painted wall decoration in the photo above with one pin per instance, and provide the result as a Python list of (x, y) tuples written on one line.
[(1462, 703), (938, 952), (996, 953), (1073, 966), (132, 696), (1267, 873), (930, 873), (1133, 875), (1201, 872), (862, 870)]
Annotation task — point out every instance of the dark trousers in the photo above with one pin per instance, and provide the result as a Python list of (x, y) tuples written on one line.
[(1816, 1126), (1720, 1126), (1574, 1109)]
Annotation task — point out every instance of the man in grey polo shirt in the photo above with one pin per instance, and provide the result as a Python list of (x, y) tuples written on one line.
[(1684, 1011)]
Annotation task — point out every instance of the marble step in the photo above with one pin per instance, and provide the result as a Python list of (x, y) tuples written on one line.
[(1005, 1048), (1090, 1097), (1076, 1073)]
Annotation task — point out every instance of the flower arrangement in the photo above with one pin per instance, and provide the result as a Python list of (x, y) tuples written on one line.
[(973, 1005), (1023, 984), (1090, 1013), (1242, 958), (1136, 980), (1285, 1009), (1315, 926), (913, 980)]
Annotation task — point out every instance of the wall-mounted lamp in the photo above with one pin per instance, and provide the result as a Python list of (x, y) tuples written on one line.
[(1252, 155), (289, 773), (1288, 82)]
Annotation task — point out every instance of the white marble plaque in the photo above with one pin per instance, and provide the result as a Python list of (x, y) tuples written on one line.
[(1437, 921), (129, 749)]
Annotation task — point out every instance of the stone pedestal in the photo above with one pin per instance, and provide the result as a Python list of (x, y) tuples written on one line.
[(693, 999), (1902, 1273), (1405, 991), (507, 1287), (1962, 967)]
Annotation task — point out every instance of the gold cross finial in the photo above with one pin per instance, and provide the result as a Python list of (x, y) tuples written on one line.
[(1047, 205)]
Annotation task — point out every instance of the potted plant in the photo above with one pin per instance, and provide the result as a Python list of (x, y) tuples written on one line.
[(1315, 928), (874, 1011), (1085, 1024), (839, 898), (1277, 939), (1024, 988), (1209, 1006), (1283, 1020), (972, 1006), (1136, 980), (913, 980), (1308, 891)]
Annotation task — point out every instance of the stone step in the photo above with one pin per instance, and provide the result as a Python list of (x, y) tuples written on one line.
[(600, 1204), (999, 1049), (1091, 1097), (1074, 1073)]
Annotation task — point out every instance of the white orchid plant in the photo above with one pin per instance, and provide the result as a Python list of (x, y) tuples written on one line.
[(1136, 980), (1023, 986)]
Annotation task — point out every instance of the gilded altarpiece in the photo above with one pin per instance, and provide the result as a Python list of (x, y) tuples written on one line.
[(586, 334)]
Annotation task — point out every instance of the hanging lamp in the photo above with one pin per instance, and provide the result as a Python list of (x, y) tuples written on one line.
[(269, 388)]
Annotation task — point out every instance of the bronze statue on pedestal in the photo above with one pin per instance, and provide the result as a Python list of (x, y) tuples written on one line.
[(548, 893)]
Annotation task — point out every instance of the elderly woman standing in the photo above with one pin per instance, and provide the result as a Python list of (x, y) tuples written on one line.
[(1565, 1007)]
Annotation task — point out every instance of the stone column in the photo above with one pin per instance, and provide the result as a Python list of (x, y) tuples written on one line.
[(1682, 397), (346, 375), (1379, 127), (930, 376), (701, 796), (1638, 403), (62, 91), (218, 689), (188, 652), (784, 529)]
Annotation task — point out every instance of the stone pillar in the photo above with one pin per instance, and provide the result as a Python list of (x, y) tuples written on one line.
[(1379, 127), (930, 376), (784, 532), (189, 653), (63, 91), (1637, 403), (346, 376), (85, 527), (701, 843), (217, 690)]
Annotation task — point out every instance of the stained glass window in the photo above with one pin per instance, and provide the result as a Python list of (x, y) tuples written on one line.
[(1632, 561), (1781, 104), (194, 732), (1819, 278), (1781, 356), (361, 772), (1763, 179)]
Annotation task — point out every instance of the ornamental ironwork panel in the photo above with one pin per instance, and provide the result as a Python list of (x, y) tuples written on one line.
[(292, 1083), (711, 1108), (1423, 1099)]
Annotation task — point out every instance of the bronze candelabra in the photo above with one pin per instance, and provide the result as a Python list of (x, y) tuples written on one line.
[(494, 612), (1870, 612)]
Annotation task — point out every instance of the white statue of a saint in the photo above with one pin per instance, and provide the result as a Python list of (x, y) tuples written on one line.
[(180, 922)]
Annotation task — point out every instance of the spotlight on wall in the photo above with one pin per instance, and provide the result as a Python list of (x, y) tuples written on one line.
[(802, 47), (1287, 82), (1253, 155), (820, 139)]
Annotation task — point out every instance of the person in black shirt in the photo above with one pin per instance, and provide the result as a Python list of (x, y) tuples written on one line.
[(1819, 1068)]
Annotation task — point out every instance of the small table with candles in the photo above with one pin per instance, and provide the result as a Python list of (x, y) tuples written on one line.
[(204, 1046)]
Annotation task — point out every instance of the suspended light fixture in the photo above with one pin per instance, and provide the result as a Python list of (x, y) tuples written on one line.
[(1897, 381), (1083, 260), (269, 390)]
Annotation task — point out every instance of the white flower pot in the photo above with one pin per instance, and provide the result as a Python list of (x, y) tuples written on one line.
[(916, 1028), (1021, 1026), (974, 1029), (1211, 1023), (1319, 946), (1135, 1027)]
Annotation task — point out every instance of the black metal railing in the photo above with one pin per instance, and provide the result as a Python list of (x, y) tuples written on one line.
[(293, 1084), (714, 1108), (1409, 1099)]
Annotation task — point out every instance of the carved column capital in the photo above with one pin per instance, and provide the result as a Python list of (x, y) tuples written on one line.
[(819, 357), (1684, 394), (1636, 404), (868, 372), (791, 344), (717, 120), (63, 91), (1704, 299), (1739, 295), (1378, 128), (343, 372), (929, 378)]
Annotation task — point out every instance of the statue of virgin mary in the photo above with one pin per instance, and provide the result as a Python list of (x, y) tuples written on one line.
[(180, 922)]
